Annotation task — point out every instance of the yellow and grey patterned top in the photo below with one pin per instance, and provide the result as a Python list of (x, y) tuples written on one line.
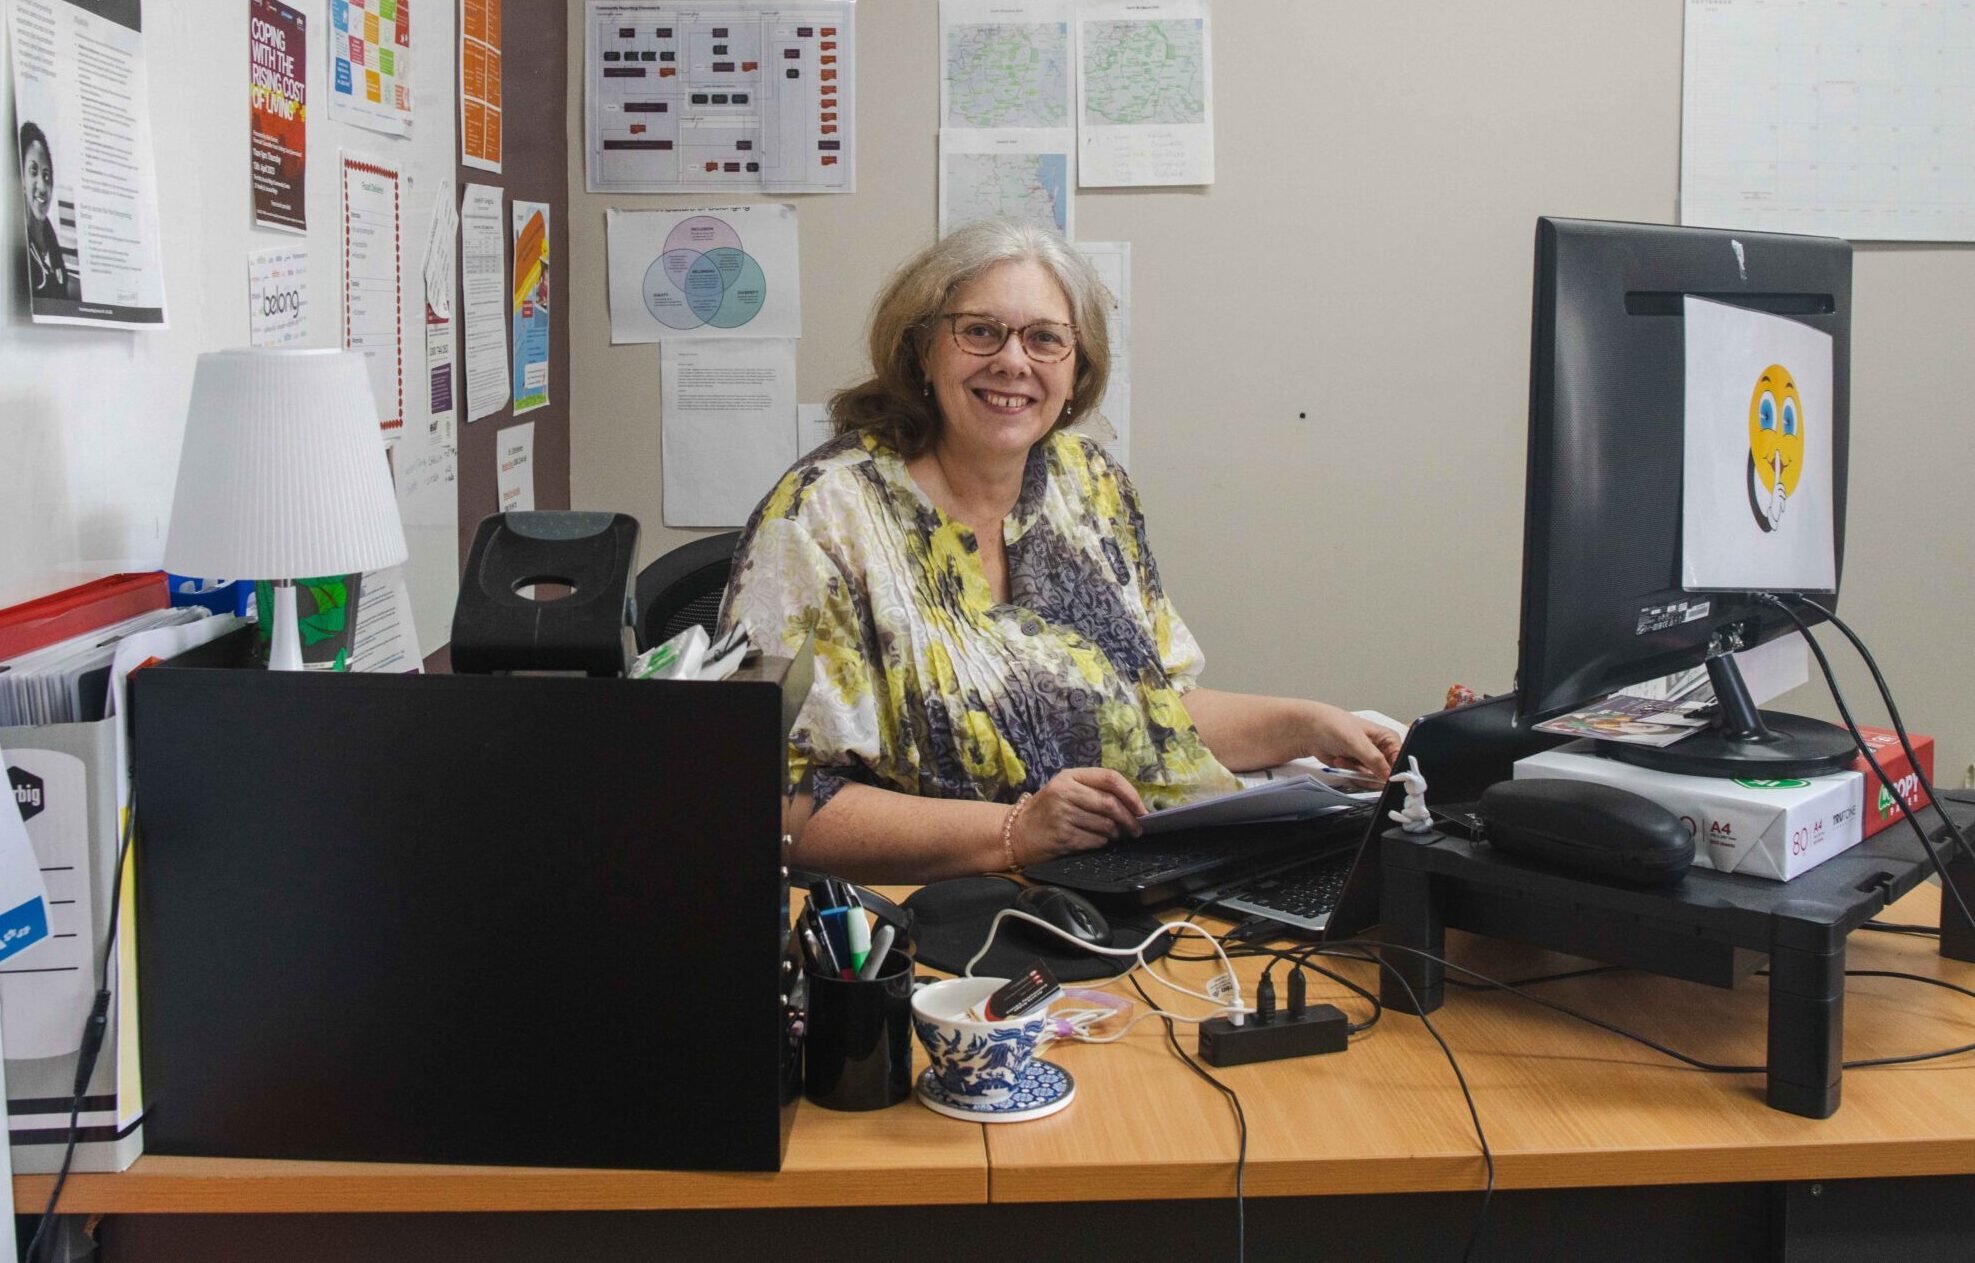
[(924, 684)]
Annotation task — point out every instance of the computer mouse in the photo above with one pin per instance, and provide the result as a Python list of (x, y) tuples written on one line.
[(1067, 911), (1585, 827)]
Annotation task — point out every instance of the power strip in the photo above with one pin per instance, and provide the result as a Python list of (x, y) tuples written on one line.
[(1321, 1028)]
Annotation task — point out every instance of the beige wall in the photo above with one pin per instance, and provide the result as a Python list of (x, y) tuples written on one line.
[(1331, 343)]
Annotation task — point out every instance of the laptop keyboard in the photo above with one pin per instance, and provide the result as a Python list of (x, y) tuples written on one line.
[(1302, 897), (1148, 862)]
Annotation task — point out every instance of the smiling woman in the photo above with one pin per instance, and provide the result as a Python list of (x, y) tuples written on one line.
[(1000, 676)]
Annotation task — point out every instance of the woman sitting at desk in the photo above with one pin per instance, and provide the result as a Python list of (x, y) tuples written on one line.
[(1000, 678)]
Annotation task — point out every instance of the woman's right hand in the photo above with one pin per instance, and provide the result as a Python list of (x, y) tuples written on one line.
[(1080, 809)]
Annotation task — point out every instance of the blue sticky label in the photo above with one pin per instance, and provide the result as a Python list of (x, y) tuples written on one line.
[(339, 14), (23, 926), (343, 77)]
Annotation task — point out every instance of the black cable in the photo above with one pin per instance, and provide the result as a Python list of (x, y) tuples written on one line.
[(1240, 1120), (1893, 712), (1341, 949), (1539, 979), (1858, 739), (1889, 927), (93, 1030)]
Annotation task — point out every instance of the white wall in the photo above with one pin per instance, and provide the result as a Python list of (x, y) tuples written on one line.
[(90, 419), (1331, 343)]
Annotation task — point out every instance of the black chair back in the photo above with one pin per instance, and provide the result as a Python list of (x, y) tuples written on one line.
[(684, 587)]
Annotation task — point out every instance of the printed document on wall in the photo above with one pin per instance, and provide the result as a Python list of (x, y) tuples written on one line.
[(1109, 421), (1145, 93), (480, 84), (1007, 134), (728, 410), (531, 305), (483, 288), (277, 101), (374, 280), (370, 64), (1756, 510), (1027, 176), (82, 142), (514, 453), (278, 297), (1853, 120), (722, 272), (699, 98)]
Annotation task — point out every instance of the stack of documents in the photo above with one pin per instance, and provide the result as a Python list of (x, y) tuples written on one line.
[(69, 682), (1298, 790)]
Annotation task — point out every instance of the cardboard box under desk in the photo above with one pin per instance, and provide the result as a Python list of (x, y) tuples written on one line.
[(63, 777), (445, 918)]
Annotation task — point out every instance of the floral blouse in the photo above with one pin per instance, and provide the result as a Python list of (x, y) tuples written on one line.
[(923, 683)]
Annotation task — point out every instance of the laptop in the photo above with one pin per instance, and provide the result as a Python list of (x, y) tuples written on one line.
[(1235, 867)]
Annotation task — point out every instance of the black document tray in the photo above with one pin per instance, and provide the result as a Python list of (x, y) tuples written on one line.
[(469, 919)]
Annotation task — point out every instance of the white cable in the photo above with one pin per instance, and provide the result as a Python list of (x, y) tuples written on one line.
[(1236, 1011)]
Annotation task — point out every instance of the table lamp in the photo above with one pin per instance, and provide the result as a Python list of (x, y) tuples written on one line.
[(282, 476)]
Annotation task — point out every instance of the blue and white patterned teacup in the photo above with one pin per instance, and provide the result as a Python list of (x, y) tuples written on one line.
[(973, 1060)]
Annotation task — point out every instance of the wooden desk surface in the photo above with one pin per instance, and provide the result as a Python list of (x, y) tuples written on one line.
[(1564, 1105)]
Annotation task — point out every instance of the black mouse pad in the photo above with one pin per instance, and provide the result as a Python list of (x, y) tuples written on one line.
[(953, 919)]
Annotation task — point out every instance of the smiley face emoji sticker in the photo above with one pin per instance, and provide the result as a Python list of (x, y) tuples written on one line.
[(1776, 445)]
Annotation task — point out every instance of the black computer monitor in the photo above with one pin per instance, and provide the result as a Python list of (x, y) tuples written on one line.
[(1602, 601)]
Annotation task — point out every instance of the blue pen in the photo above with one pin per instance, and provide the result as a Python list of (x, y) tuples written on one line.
[(837, 930)]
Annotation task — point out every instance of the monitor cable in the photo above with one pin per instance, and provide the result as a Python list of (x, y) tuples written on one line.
[(1948, 887), (1234, 1102)]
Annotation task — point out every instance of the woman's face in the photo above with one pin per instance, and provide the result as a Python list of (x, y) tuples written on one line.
[(997, 406), (37, 179)]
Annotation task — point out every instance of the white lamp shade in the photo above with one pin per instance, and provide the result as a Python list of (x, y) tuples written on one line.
[(282, 474)]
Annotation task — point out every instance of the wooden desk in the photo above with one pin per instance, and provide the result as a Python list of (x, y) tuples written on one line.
[(1565, 1107)]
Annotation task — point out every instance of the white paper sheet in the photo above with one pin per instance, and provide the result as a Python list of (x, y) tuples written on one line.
[(1007, 63), (23, 892), (90, 217), (1854, 120), (370, 64), (728, 411), (514, 450), (440, 274), (385, 640), (1027, 176), (374, 281), (1109, 420), (718, 272), (1756, 511), (480, 78), (1145, 93), (278, 297), (47, 987), (812, 427), (704, 98), (427, 480), (483, 284)]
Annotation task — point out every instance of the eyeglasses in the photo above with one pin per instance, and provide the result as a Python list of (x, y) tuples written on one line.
[(1045, 341)]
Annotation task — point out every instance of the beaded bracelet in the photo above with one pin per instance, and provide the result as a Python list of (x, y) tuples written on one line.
[(1008, 832)]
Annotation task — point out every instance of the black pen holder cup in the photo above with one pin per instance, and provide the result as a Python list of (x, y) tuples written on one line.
[(857, 1045)]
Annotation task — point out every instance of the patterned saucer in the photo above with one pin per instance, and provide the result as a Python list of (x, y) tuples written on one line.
[(1043, 1089)]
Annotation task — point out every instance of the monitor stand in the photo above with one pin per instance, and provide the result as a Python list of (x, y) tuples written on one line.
[(1744, 742)]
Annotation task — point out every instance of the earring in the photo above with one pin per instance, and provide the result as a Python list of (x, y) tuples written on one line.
[(1069, 408), (926, 389)]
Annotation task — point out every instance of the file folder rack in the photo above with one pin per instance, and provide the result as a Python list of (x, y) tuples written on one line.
[(462, 919)]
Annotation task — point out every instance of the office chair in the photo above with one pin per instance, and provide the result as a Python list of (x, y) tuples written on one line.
[(682, 588)]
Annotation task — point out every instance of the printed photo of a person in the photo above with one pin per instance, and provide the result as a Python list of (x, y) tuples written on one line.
[(48, 271)]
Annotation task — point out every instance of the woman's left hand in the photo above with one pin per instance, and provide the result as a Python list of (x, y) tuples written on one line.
[(1341, 738)]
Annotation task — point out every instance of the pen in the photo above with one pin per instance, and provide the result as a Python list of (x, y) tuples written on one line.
[(815, 949), (1348, 774), (860, 937), (880, 948), (836, 932)]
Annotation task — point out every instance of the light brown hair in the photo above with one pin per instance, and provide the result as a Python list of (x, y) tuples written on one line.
[(892, 403)]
